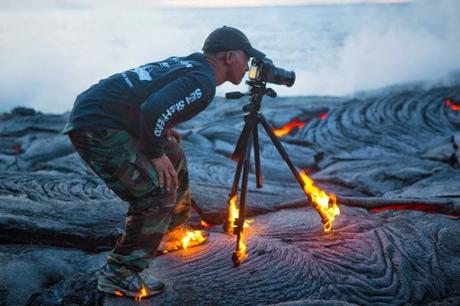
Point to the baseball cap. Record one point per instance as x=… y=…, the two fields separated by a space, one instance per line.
x=229 y=38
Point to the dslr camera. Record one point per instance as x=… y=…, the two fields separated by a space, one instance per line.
x=265 y=71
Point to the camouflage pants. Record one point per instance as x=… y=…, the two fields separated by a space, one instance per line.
x=115 y=156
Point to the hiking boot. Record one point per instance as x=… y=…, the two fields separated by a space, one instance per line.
x=182 y=238
x=129 y=284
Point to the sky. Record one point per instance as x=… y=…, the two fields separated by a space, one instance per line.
x=229 y=3
x=76 y=4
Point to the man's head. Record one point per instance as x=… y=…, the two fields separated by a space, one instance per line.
x=228 y=51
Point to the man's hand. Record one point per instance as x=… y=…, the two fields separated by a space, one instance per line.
x=167 y=175
x=171 y=134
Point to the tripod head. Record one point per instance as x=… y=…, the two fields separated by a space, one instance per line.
x=256 y=92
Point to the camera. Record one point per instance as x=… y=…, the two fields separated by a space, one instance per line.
x=266 y=71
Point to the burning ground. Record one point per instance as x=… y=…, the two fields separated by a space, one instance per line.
x=392 y=160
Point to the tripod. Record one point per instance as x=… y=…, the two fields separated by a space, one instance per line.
x=242 y=154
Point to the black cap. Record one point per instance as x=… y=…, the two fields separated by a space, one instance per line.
x=228 y=38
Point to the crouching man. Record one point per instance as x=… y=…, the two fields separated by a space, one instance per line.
x=121 y=127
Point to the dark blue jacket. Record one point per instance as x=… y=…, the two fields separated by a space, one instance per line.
x=147 y=100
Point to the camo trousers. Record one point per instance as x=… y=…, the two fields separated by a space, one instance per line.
x=115 y=156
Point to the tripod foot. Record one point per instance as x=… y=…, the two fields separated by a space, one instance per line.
x=238 y=258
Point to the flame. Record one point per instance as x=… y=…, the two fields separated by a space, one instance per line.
x=118 y=293
x=233 y=214
x=452 y=105
x=241 y=253
x=191 y=236
x=142 y=293
x=321 y=200
x=287 y=128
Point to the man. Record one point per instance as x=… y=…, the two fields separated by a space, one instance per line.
x=121 y=127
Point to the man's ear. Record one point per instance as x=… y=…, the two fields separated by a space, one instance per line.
x=229 y=57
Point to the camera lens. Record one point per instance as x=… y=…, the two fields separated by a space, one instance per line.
x=283 y=77
x=280 y=76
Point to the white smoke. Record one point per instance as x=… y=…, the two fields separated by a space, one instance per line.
x=386 y=48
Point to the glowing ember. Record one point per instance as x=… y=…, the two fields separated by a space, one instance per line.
x=287 y=128
x=452 y=105
x=192 y=236
x=118 y=293
x=17 y=149
x=204 y=224
x=323 y=116
x=142 y=293
x=325 y=204
x=241 y=253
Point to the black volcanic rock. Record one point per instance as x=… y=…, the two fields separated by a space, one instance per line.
x=391 y=257
x=393 y=160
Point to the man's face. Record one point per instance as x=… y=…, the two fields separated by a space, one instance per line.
x=238 y=66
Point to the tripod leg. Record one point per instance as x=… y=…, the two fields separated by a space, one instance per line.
x=257 y=158
x=250 y=121
x=280 y=149
x=240 y=253
x=326 y=213
x=239 y=155
x=228 y=225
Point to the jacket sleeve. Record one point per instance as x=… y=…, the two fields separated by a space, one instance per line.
x=176 y=102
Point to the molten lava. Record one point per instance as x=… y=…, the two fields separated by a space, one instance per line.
x=17 y=149
x=191 y=236
x=295 y=123
x=287 y=128
x=433 y=209
x=452 y=105
x=325 y=204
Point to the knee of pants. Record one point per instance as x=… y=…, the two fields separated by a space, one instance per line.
x=152 y=204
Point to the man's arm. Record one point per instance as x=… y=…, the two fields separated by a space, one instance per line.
x=176 y=102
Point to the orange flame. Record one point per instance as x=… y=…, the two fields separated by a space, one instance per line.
x=451 y=104
x=241 y=253
x=142 y=293
x=118 y=293
x=325 y=204
x=287 y=128
x=233 y=213
x=191 y=236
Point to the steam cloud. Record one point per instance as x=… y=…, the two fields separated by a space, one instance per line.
x=423 y=44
